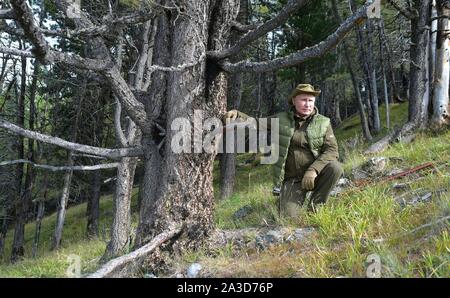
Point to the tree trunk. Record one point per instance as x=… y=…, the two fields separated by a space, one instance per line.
x=62 y=205
x=40 y=216
x=19 y=232
x=121 y=226
x=227 y=161
x=441 y=84
x=362 y=114
x=418 y=65
x=389 y=68
x=180 y=192
x=383 y=70
x=364 y=62
x=373 y=79
x=94 y=205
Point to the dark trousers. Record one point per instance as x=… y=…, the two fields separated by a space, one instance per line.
x=292 y=196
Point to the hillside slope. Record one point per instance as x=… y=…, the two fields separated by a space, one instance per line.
x=402 y=222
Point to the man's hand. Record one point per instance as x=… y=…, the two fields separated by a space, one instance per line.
x=231 y=115
x=308 y=179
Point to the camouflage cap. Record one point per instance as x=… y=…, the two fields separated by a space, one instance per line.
x=303 y=89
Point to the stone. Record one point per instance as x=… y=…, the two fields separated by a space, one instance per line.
x=359 y=174
x=342 y=184
x=194 y=270
x=375 y=165
x=300 y=234
x=270 y=238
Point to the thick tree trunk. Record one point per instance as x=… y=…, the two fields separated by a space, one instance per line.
x=441 y=83
x=181 y=190
x=418 y=66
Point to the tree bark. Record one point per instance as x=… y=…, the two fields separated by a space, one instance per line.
x=40 y=216
x=227 y=161
x=181 y=191
x=373 y=80
x=19 y=233
x=94 y=206
x=441 y=111
x=418 y=65
x=62 y=205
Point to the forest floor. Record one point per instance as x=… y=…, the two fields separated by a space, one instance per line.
x=396 y=228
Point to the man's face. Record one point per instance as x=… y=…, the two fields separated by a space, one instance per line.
x=304 y=104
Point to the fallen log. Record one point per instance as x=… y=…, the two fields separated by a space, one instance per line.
x=115 y=266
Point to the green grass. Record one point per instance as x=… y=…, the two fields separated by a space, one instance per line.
x=352 y=226
x=74 y=242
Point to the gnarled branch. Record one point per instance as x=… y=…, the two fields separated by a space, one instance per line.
x=110 y=153
x=253 y=35
x=304 y=54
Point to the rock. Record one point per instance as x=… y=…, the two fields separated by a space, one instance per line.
x=150 y=275
x=194 y=270
x=270 y=238
x=242 y=212
x=359 y=174
x=300 y=234
x=342 y=184
x=401 y=186
x=375 y=165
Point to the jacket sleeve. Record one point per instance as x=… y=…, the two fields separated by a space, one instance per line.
x=329 y=151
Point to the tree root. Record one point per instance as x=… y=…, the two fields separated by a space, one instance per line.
x=122 y=266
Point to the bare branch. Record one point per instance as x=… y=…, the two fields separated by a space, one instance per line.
x=304 y=54
x=7 y=14
x=115 y=266
x=110 y=153
x=16 y=52
x=118 y=127
x=243 y=27
x=251 y=36
x=61 y=168
x=25 y=18
x=108 y=26
x=403 y=11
